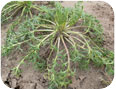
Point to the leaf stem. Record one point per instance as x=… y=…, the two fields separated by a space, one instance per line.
x=9 y=7
x=68 y=56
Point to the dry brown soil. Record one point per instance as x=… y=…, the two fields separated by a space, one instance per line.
x=84 y=79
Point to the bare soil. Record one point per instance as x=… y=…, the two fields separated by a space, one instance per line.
x=92 y=78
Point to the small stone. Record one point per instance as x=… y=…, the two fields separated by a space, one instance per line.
x=13 y=83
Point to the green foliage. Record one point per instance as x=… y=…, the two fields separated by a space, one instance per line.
x=60 y=79
x=76 y=14
x=10 y=40
x=94 y=29
x=59 y=15
x=23 y=8
x=54 y=29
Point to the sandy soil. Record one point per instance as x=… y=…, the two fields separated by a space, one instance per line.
x=84 y=79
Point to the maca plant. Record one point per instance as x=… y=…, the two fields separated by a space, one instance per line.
x=70 y=37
